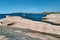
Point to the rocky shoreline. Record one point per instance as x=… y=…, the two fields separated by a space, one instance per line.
x=12 y=26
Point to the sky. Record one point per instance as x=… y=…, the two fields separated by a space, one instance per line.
x=29 y=6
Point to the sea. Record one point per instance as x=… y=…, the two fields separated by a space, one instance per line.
x=31 y=16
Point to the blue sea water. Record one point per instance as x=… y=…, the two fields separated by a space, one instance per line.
x=31 y=16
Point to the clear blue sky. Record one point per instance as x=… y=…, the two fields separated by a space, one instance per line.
x=31 y=6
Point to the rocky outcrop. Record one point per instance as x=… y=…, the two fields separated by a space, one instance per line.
x=16 y=21
x=53 y=18
x=11 y=33
x=18 y=28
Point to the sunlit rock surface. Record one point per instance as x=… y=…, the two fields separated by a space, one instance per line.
x=54 y=18
x=17 y=28
x=10 y=33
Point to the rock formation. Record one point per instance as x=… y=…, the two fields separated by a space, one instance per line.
x=19 y=22
x=54 y=18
